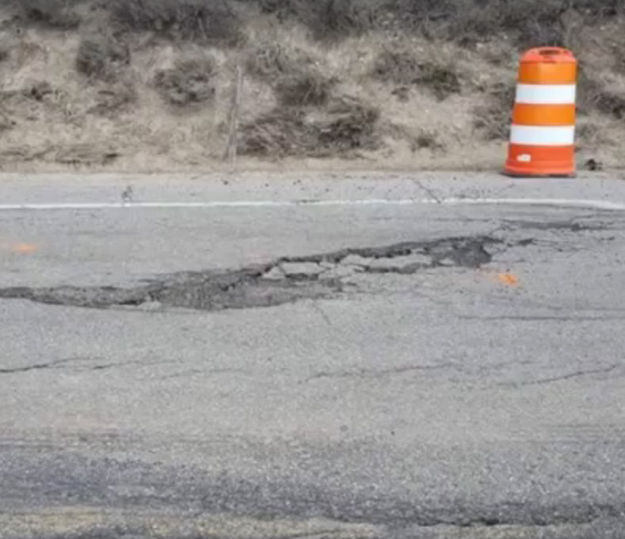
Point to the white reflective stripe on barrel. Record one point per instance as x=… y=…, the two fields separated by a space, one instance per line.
x=542 y=136
x=546 y=94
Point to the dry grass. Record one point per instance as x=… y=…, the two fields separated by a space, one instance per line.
x=597 y=94
x=345 y=127
x=102 y=57
x=442 y=80
x=526 y=22
x=294 y=75
x=5 y=48
x=114 y=99
x=38 y=90
x=426 y=140
x=53 y=13
x=85 y=154
x=350 y=125
x=403 y=67
x=493 y=119
x=397 y=66
x=277 y=134
x=272 y=60
x=304 y=88
x=191 y=80
x=198 y=20
x=611 y=103
x=421 y=52
x=328 y=20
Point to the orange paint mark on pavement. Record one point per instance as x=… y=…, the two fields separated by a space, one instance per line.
x=24 y=248
x=508 y=279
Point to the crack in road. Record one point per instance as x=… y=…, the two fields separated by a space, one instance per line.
x=285 y=280
x=67 y=364
x=39 y=366
x=542 y=318
x=366 y=373
x=568 y=376
x=191 y=372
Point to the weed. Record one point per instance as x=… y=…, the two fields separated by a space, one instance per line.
x=425 y=140
x=101 y=56
x=540 y=22
x=596 y=94
x=441 y=79
x=327 y=20
x=113 y=99
x=611 y=103
x=189 y=81
x=588 y=134
x=350 y=125
x=397 y=66
x=403 y=67
x=304 y=88
x=293 y=73
x=493 y=119
x=347 y=125
x=277 y=134
x=270 y=61
x=53 y=13
x=198 y=20
x=38 y=90
x=5 y=48
x=526 y=22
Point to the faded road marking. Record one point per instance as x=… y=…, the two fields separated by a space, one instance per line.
x=549 y=202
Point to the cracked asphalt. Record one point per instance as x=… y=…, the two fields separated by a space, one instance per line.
x=370 y=370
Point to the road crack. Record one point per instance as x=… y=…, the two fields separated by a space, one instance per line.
x=36 y=367
x=373 y=373
x=564 y=377
x=74 y=365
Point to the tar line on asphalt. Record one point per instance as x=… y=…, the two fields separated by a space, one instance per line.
x=552 y=202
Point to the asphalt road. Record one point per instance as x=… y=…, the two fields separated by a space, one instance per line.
x=362 y=356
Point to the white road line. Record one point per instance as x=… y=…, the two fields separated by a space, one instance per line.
x=554 y=202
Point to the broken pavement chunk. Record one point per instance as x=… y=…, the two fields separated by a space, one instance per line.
x=301 y=270
x=356 y=260
x=401 y=264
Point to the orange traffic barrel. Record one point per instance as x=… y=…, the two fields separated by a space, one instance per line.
x=542 y=136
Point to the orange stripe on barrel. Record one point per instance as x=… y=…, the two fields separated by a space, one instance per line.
x=540 y=160
x=533 y=73
x=550 y=115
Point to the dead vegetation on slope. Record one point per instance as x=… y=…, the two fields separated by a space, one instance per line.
x=293 y=73
x=492 y=119
x=190 y=80
x=327 y=20
x=403 y=67
x=345 y=127
x=205 y=21
x=61 y=14
x=101 y=56
x=113 y=99
x=323 y=78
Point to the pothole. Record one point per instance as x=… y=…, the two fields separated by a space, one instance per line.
x=285 y=280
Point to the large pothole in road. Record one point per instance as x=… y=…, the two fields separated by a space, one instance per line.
x=285 y=280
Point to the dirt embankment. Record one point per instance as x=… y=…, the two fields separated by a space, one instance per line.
x=150 y=84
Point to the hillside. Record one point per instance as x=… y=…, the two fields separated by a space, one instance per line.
x=149 y=85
